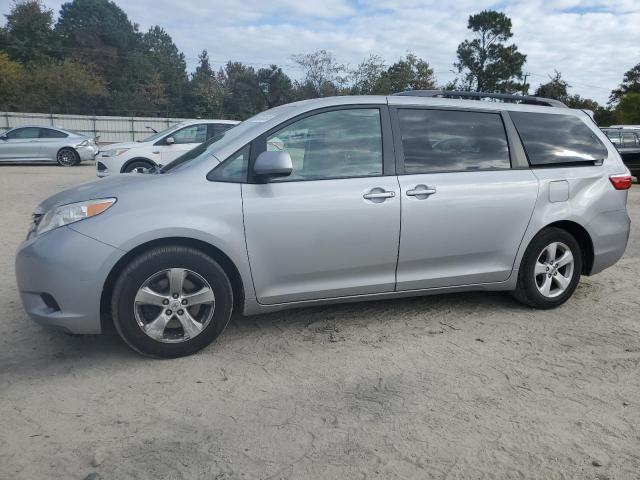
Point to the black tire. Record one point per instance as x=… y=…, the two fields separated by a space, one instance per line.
x=527 y=291
x=67 y=157
x=138 y=164
x=134 y=276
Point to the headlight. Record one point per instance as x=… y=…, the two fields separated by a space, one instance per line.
x=115 y=152
x=72 y=213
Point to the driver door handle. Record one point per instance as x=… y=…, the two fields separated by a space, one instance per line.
x=378 y=195
x=421 y=191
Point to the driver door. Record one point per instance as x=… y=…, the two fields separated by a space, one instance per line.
x=21 y=145
x=184 y=140
x=332 y=227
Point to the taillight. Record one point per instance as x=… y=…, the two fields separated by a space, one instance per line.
x=621 y=182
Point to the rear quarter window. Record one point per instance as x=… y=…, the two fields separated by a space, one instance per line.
x=553 y=139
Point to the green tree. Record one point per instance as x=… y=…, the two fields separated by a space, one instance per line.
x=11 y=83
x=28 y=35
x=98 y=33
x=244 y=96
x=555 y=88
x=628 y=110
x=605 y=116
x=630 y=84
x=62 y=86
x=409 y=73
x=323 y=75
x=169 y=66
x=275 y=86
x=485 y=63
x=205 y=93
x=367 y=74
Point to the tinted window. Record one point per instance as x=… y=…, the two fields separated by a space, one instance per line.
x=191 y=134
x=28 y=132
x=629 y=139
x=217 y=128
x=557 y=139
x=337 y=144
x=234 y=169
x=613 y=136
x=50 y=133
x=446 y=140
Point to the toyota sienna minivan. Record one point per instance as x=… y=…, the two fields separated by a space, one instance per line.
x=333 y=200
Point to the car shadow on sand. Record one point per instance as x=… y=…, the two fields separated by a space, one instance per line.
x=46 y=352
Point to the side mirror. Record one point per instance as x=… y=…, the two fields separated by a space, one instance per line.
x=169 y=141
x=4 y=137
x=273 y=164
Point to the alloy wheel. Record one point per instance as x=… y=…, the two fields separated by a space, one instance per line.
x=66 y=157
x=174 y=305
x=554 y=269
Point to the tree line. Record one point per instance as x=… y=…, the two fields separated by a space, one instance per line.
x=94 y=60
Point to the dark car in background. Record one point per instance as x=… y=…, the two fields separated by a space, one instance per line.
x=627 y=142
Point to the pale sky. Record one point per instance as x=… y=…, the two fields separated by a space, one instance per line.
x=592 y=42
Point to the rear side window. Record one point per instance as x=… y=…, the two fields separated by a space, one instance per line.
x=452 y=141
x=629 y=139
x=50 y=133
x=553 y=139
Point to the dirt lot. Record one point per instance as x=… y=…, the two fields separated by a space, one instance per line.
x=455 y=386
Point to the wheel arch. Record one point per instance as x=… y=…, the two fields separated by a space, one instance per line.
x=212 y=251
x=68 y=147
x=583 y=238
x=137 y=159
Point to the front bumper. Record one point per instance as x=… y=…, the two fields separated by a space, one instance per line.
x=69 y=268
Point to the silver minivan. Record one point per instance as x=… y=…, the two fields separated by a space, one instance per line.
x=333 y=200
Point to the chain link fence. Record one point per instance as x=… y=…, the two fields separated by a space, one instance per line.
x=107 y=129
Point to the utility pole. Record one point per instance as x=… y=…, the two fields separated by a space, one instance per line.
x=525 y=87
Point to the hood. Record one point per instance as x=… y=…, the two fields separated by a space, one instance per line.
x=101 y=188
x=113 y=146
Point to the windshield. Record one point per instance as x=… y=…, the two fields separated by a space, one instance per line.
x=220 y=140
x=156 y=136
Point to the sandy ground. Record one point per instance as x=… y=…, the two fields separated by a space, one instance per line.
x=455 y=386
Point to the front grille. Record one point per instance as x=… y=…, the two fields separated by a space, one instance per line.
x=101 y=167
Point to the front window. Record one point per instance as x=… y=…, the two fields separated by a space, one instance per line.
x=190 y=134
x=161 y=134
x=24 y=133
x=337 y=144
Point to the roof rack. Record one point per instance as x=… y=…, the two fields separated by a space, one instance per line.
x=505 y=97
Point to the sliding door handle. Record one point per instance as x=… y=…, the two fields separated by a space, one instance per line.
x=421 y=191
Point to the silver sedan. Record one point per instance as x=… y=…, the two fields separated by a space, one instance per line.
x=46 y=144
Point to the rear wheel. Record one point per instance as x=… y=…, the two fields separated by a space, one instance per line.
x=67 y=157
x=550 y=270
x=171 y=302
x=138 y=166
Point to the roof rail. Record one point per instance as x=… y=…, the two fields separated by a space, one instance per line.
x=505 y=97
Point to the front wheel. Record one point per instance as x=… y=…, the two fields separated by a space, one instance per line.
x=138 y=166
x=67 y=157
x=550 y=269
x=171 y=302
